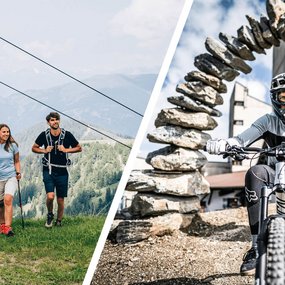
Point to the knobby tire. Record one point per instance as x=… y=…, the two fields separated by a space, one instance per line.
x=276 y=252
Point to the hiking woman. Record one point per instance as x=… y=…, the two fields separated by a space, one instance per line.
x=9 y=176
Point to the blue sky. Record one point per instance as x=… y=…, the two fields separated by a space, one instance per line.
x=209 y=18
x=83 y=38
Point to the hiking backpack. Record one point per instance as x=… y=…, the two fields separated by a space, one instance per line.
x=46 y=161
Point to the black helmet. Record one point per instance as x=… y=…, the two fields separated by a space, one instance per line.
x=278 y=85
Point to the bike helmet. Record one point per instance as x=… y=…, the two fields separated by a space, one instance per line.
x=278 y=86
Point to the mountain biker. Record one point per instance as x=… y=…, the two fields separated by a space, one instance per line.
x=55 y=143
x=271 y=128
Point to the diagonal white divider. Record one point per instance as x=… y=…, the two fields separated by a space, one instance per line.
x=138 y=141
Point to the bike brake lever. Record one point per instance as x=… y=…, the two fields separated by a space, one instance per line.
x=239 y=157
x=234 y=155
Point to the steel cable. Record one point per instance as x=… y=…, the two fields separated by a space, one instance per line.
x=72 y=77
x=66 y=115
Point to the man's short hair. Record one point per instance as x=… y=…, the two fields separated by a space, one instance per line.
x=52 y=115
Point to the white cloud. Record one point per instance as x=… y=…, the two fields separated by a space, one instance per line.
x=236 y=15
x=256 y=88
x=36 y=70
x=147 y=21
x=266 y=60
x=86 y=38
x=47 y=49
x=205 y=17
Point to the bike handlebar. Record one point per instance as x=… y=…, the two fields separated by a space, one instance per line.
x=240 y=153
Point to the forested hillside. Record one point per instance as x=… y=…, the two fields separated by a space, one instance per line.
x=94 y=175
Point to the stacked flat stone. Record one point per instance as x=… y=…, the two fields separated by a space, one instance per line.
x=168 y=195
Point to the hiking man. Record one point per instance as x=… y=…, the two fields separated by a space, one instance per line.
x=271 y=128
x=55 y=143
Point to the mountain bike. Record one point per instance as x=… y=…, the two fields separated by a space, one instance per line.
x=270 y=267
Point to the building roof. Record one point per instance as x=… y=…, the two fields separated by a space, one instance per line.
x=227 y=180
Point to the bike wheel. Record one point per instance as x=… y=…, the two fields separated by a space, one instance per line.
x=276 y=252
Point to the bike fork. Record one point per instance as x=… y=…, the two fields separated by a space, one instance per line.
x=260 y=274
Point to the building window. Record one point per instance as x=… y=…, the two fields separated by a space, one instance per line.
x=238 y=122
x=239 y=103
x=231 y=203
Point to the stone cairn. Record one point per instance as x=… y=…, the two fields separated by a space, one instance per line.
x=167 y=196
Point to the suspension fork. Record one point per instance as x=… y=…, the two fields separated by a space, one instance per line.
x=260 y=274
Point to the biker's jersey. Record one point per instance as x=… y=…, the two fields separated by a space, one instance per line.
x=268 y=127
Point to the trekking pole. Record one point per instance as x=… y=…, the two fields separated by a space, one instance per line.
x=20 y=203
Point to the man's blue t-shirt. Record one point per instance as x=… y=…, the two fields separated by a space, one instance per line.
x=7 y=166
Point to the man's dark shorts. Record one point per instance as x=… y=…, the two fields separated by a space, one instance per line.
x=54 y=181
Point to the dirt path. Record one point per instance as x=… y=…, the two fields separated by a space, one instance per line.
x=210 y=254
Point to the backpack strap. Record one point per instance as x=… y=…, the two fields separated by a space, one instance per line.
x=49 y=142
x=48 y=137
x=61 y=136
x=60 y=142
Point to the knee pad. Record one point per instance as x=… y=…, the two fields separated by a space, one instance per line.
x=259 y=172
x=256 y=170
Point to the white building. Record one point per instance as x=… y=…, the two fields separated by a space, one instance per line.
x=244 y=110
x=278 y=59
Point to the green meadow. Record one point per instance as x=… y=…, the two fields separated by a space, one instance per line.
x=60 y=255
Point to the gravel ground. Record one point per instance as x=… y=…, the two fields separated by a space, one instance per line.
x=210 y=253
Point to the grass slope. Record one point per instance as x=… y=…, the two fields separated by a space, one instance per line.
x=61 y=255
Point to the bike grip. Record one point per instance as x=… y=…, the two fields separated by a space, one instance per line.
x=224 y=154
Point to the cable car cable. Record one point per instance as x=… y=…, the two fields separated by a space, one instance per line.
x=66 y=115
x=72 y=77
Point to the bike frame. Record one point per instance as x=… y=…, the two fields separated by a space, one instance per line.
x=260 y=275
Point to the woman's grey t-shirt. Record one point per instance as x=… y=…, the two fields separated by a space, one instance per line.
x=7 y=166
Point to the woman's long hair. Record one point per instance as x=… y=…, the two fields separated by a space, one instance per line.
x=10 y=139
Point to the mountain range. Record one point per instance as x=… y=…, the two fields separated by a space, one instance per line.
x=73 y=99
